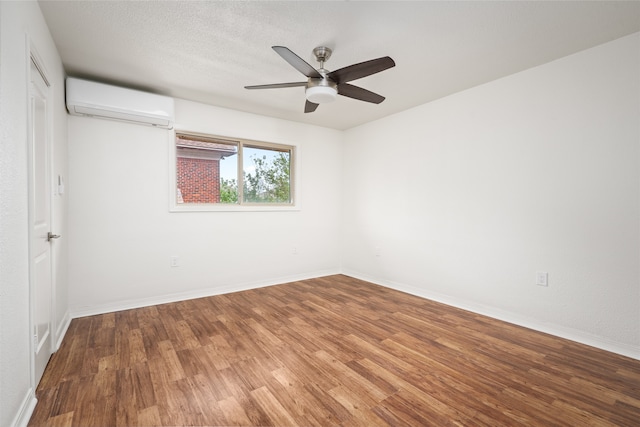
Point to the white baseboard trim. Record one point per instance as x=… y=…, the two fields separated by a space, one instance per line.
x=62 y=330
x=200 y=293
x=26 y=409
x=510 y=317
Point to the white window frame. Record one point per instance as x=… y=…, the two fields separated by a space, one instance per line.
x=174 y=206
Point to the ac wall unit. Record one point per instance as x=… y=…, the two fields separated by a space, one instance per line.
x=86 y=98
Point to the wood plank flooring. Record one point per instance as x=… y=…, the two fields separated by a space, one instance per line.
x=332 y=351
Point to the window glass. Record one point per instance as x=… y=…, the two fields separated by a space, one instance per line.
x=205 y=170
x=267 y=175
x=211 y=170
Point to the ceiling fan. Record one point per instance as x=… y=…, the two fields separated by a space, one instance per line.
x=323 y=85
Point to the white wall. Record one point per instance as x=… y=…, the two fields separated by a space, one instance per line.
x=122 y=234
x=465 y=198
x=19 y=21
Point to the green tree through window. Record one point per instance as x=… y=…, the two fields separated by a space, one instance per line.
x=268 y=181
x=228 y=190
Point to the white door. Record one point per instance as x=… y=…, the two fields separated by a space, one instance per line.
x=40 y=221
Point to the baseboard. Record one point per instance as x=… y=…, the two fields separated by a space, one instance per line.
x=510 y=317
x=26 y=409
x=514 y=318
x=200 y=293
x=62 y=330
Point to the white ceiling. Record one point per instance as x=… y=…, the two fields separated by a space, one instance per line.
x=208 y=51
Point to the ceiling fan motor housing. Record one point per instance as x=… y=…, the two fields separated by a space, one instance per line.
x=321 y=91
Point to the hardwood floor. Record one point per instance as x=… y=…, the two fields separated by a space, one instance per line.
x=331 y=351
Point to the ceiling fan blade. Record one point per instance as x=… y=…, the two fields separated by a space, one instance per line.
x=297 y=62
x=276 y=85
x=310 y=107
x=355 y=92
x=363 y=69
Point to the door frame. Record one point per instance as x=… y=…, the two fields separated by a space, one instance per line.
x=32 y=55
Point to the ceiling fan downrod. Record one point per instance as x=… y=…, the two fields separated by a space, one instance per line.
x=322 y=55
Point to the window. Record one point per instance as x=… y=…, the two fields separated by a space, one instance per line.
x=228 y=172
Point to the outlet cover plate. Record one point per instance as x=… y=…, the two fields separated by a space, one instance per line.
x=542 y=278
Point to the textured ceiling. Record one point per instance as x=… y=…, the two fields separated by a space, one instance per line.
x=208 y=51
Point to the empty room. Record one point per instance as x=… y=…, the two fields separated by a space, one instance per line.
x=322 y=213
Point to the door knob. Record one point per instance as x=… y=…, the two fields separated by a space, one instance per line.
x=51 y=236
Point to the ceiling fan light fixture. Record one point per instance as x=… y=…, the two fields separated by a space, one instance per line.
x=321 y=94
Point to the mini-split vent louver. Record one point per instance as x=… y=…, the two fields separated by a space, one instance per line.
x=87 y=98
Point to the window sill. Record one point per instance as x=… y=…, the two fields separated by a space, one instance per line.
x=206 y=207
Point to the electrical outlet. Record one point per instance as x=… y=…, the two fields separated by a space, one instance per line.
x=174 y=261
x=542 y=278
